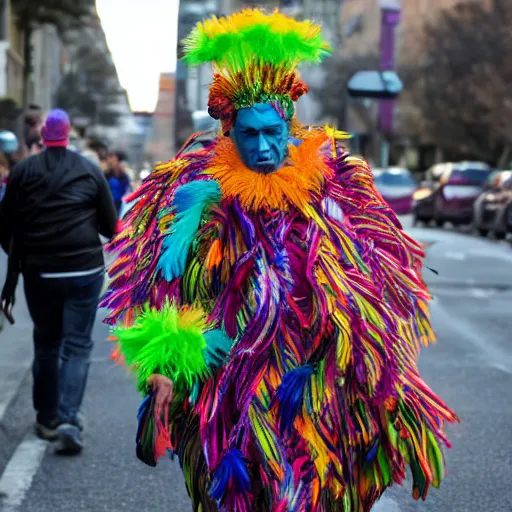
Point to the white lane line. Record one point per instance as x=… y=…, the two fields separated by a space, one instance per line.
x=386 y=504
x=481 y=293
x=459 y=256
x=492 y=253
x=20 y=471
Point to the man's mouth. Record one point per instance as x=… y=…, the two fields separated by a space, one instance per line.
x=265 y=167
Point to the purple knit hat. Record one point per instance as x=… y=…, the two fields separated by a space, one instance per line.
x=55 y=131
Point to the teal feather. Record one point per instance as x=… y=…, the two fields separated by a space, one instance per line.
x=218 y=346
x=189 y=203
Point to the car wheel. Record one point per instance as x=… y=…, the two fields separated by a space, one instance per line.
x=483 y=231
x=508 y=219
x=439 y=223
x=499 y=235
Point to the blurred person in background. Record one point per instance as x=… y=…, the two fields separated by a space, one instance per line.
x=56 y=205
x=4 y=174
x=9 y=147
x=103 y=163
x=32 y=123
x=92 y=155
x=118 y=178
x=100 y=148
x=34 y=144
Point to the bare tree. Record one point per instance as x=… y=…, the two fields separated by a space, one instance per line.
x=91 y=90
x=459 y=88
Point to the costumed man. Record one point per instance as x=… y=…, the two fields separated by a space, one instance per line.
x=263 y=284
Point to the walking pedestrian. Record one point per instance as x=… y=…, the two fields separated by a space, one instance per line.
x=4 y=174
x=118 y=178
x=269 y=302
x=56 y=205
x=9 y=146
x=34 y=144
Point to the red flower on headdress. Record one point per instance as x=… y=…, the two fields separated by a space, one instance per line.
x=298 y=89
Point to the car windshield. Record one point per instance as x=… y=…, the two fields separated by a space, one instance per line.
x=470 y=175
x=394 y=179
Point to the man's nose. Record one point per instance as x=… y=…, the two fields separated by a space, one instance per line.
x=263 y=145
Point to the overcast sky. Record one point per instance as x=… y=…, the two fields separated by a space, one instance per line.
x=141 y=35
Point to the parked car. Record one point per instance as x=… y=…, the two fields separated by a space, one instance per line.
x=424 y=189
x=492 y=211
x=397 y=186
x=435 y=172
x=452 y=198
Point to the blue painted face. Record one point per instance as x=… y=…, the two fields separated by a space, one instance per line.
x=261 y=138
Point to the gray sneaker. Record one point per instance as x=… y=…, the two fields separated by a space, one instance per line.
x=69 y=440
x=47 y=431
x=80 y=421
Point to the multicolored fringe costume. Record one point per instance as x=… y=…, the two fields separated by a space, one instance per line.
x=288 y=308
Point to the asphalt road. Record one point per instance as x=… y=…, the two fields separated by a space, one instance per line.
x=470 y=367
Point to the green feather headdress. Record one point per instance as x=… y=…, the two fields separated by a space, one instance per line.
x=255 y=58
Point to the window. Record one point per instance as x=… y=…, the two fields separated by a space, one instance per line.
x=394 y=179
x=471 y=175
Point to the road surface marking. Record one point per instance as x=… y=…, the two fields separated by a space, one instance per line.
x=492 y=253
x=481 y=293
x=386 y=504
x=459 y=256
x=17 y=478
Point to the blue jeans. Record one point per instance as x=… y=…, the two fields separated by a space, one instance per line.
x=63 y=311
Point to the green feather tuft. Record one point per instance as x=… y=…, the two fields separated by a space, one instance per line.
x=249 y=36
x=260 y=43
x=168 y=341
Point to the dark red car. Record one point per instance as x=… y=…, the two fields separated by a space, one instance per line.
x=452 y=198
x=397 y=186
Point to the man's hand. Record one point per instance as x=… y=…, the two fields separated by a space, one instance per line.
x=6 y=309
x=163 y=392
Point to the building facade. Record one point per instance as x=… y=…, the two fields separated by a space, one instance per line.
x=139 y=140
x=80 y=44
x=48 y=68
x=11 y=72
x=161 y=141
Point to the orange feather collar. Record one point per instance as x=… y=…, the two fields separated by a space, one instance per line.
x=296 y=184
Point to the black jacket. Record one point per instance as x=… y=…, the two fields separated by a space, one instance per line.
x=56 y=204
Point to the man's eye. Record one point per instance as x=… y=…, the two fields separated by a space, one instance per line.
x=250 y=132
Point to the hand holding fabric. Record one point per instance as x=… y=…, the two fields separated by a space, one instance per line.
x=163 y=391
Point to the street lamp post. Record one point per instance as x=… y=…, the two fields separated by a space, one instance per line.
x=390 y=17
